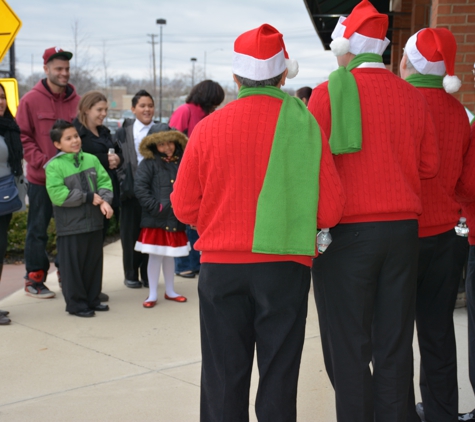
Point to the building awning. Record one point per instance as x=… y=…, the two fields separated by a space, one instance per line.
x=325 y=14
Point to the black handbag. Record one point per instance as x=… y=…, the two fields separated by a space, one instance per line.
x=127 y=185
x=9 y=198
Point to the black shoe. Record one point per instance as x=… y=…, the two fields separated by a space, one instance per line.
x=186 y=274
x=4 y=313
x=87 y=313
x=103 y=297
x=132 y=284
x=101 y=308
x=420 y=411
x=145 y=283
x=470 y=416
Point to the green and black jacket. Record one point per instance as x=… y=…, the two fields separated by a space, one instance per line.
x=71 y=181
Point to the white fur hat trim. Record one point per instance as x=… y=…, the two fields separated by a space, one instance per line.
x=258 y=70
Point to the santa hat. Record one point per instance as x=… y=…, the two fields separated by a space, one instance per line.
x=363 y=31
x=432 y=52
x=260 y=54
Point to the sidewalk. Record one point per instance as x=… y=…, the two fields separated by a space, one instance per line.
x=135 y=364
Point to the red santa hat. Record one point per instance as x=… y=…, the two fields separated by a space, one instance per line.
x=363 y=31
x=432 y=52
x=260 y=54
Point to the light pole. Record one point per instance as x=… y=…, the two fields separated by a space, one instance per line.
x=193 y=61
x=161 y=22
x=218 y=49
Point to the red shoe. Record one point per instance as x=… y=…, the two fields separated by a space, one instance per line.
x=176 y=299
x=149 y=304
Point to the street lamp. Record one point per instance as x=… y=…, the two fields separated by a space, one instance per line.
x=161 y=22
x=218 y=49
x=193 y=61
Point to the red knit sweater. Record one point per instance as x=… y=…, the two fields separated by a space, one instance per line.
x=441 y=211
x=399 y=147
x=221 y=176
x=468 y=209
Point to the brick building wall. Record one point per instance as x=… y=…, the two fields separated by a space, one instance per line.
x=456 y=15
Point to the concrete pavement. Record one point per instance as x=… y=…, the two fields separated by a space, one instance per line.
x=136 y=364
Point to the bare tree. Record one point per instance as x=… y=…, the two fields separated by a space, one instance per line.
x=82 y=74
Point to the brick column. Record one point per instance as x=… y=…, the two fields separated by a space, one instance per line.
x=459 y=17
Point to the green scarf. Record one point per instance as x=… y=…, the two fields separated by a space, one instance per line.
x=286 y=215
x=346 y=133
x=425 y=81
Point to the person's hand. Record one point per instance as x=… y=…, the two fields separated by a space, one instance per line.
x=97 y=200
x=114 y=161
x=193 y=227
x=106 y=209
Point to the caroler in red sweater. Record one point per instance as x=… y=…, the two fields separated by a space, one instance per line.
x=468 y=210
x=428 y=55
x=383 y=138
x=256 y=180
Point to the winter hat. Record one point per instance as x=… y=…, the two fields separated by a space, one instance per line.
x=432 y=52
x=363 y=31
x=260 y=54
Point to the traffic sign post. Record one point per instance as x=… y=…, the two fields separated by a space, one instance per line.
x=11 y=92
x=10 y=24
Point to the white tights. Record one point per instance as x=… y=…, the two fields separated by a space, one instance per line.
x=155 y=262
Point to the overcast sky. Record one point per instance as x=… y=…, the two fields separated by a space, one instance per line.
x=193 y=28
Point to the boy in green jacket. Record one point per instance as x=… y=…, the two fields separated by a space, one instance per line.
x=81 y=192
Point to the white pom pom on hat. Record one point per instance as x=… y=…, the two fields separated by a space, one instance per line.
x=432 y=52
x=363 y=31
x=260 y=54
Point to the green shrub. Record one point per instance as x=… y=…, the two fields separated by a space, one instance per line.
x=17 y=233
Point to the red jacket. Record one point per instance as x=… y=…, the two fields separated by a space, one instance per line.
x=36 y=114
x=221 y=176
x=399 y=147
x=441 y=211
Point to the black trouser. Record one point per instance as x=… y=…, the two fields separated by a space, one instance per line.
x=81 y=259
x=130 y=216
x=40 y=212
x=365 y=286
x=441 y=259
x=247 y=306
x=4 y=223
x=470 y=290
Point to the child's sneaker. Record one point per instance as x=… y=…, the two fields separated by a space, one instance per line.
x=35 y=286
x=470 y=416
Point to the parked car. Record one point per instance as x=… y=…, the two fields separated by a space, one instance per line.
x=112 y=124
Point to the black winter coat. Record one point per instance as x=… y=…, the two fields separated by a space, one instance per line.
x=154 y=181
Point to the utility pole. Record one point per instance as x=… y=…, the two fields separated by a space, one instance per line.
x=153 y=42
x=161 y=22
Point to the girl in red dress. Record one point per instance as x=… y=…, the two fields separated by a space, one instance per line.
x=162 y=236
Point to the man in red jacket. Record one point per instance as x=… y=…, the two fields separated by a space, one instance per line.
x=428 y=56
x=256 y=179
x=381 y=132
x=50 y=99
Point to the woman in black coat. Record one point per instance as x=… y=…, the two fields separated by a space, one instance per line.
x=97 y=140
x=11 y=155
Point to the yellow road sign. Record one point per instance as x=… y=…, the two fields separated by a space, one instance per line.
x=10 y=24
x=10 y=86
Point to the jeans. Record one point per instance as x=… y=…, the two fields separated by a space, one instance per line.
x=39 y=216
x=192 y=261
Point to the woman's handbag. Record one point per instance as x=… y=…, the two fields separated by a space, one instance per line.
x=9 y=199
